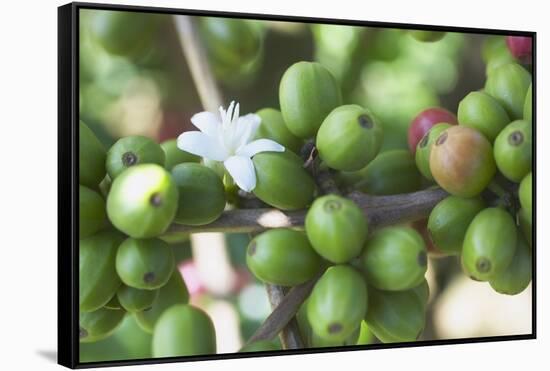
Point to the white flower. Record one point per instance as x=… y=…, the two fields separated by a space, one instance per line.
x=229 y=141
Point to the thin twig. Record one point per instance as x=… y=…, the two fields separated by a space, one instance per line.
x=290 y=333
x=198 y=63
x=380 y=211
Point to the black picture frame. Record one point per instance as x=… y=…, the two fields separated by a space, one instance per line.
x=68 y=172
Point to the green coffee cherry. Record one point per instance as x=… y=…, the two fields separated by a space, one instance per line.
x=282 y=257
x=365 y=334
x=307 y=94
x=337 y=228
x=145 y=264
x=528 y=105
x=312 y=340
x=131 y=151
x=99 y=324
x=499 y=59
x=514 y=149
x=123 y=32
x=395 y=259
x=508 y=84
x=518 y=274
x=391 y=172
x=396 y=316
x=143 y=201
x=113 y=303
x=449 y=221
x=424 y=149
x=317 y=341
x=427 y=36
x=91 y=209
x=91 y=163
x=525 y=195
x=201 y=194
x=493 y=45
x=230 y=42
x=337 y=303
x=259 y=346
x=183 y=330
x=349 y=138
x=172 y=293
x=273 y=127
x=480 y=111
x=174 y=156
x=423 y=291
x=489 y=244
x=105 y=186
x=526 y=226
x=135 y=300
x=98 y=278
x=281 y=180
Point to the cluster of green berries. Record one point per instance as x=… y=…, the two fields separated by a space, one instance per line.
x=132 y=193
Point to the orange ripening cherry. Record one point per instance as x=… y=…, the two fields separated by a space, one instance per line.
x=462 y=161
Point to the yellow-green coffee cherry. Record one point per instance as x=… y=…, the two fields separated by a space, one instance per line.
x=174 y=155
x=97 y=274
x=396 y=316
x=282 y=257
x=183 y=330
x=135 y=300
x=259 y=346
x=131 y=151
x=480 y=111
x=513 y=150
x=337 y=228
x=427 y=36
x=91 y=162
x=449 y=221
x=395 y=259
x=145 y=264
x=391 y=172
x=525 y=195
x=172 y=293
x=143 y=201
x=489 y=244
x=273 y=127
x=307 y=93
x=201 y=194
x=528 y=105
x=337 y=303
x=517 y=276
x=349 y=138
x=281 y=180
x=92 y=216
x=424 y=149
x=508 y=84
x=99 y=324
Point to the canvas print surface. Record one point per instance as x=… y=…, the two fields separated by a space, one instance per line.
x=252 y=185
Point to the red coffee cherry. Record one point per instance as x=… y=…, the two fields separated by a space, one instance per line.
x=424 y=121
x=521 y=47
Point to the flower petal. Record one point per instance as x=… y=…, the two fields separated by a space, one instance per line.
x=202 y=145
x=260 y=145
x=207 y=122
x=242 y=170
x=247 y=127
